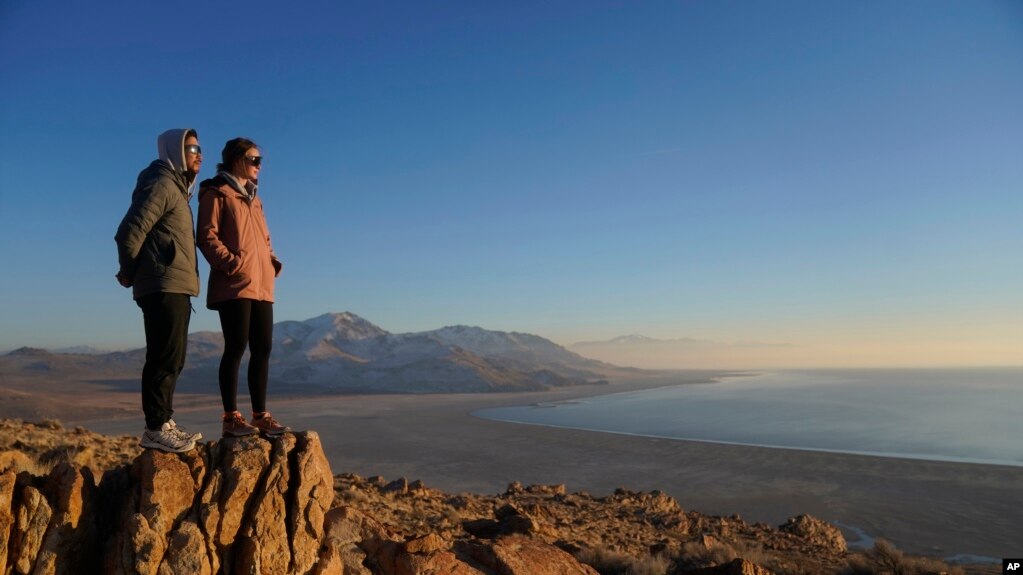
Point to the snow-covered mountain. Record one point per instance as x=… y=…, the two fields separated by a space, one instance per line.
x=345 y=352
x=512 y=346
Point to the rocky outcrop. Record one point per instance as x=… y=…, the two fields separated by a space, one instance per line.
x=505 y=556
x=813 y=531
x=235 y=506
x=241 y=505
x=254 y=506
x=48 y=524
x=244 y=505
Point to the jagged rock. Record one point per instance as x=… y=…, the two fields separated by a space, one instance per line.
x=558 y=489
x=314 y=496
x=7 y=482
x=419 y=556
x=264 y=542
x=523 y=556
x=426 y=544
x=344 y=529
x=167 y=487
x=143 y=548
x=734 y=567
x=240 y=505
x=244 y=460
x=209 y=515
x=399 y=486
x=30 y=522
x=482 y=528
x=816 y=532
x=186 y=552
x=510 y=521
x=506 y=511
x=160 y=493
x=69 y=541
x=437 y=563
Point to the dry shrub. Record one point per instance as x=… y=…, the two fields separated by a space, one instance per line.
x=61 y=454
x=452 y=517
x=697 y=555
x=18 y=462
x=608 y=562
x=885 y=559
x=52 y=423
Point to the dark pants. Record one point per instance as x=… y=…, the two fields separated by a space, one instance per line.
x=166 y=318
x=246 y=323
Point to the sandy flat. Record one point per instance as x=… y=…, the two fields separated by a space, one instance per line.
x=935 y=508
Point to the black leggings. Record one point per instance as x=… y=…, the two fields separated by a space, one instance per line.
x=245 y=322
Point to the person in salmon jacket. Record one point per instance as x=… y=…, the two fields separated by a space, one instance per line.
x=233 y=236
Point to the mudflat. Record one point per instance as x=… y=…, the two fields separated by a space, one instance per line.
x=927 y=507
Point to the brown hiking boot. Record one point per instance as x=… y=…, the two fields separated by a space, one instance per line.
x=268 y=426
x=236 y=426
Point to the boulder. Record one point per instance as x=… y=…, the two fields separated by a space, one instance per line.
x=345 y=528
x=523 y=556
x=30 y=523
x=815 y=532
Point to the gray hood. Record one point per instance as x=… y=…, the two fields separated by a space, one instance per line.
x=170 y=146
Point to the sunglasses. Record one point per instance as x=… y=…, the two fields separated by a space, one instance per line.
x=254 y=160
x=193 y=149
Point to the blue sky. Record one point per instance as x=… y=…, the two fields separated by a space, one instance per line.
x=843 y=177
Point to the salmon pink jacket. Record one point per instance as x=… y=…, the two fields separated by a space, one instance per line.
x=233 y=236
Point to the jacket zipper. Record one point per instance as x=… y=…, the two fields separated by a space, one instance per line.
x=259 y=243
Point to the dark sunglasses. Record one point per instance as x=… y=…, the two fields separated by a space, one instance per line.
x=254 y=160
x=193 y=149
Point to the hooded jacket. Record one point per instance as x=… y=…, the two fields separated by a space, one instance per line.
x=155 y=240
x=233 y=236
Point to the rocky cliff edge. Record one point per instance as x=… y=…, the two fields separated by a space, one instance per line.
x=253 y=506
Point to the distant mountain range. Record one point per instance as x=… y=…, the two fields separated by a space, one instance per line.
x=343 y=352
x=685 y=353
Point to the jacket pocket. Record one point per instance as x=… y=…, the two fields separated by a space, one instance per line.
x=240 y=269
x=175 y=255
x=152 y=260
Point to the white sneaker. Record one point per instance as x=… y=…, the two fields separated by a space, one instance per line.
x=182 y=434
x=167 y=438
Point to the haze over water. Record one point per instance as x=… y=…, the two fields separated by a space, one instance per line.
x=967 y=415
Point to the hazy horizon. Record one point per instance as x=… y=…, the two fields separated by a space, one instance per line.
x=837 y=184
x=687 y=353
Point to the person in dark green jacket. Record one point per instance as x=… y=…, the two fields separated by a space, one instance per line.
x=156 y=251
